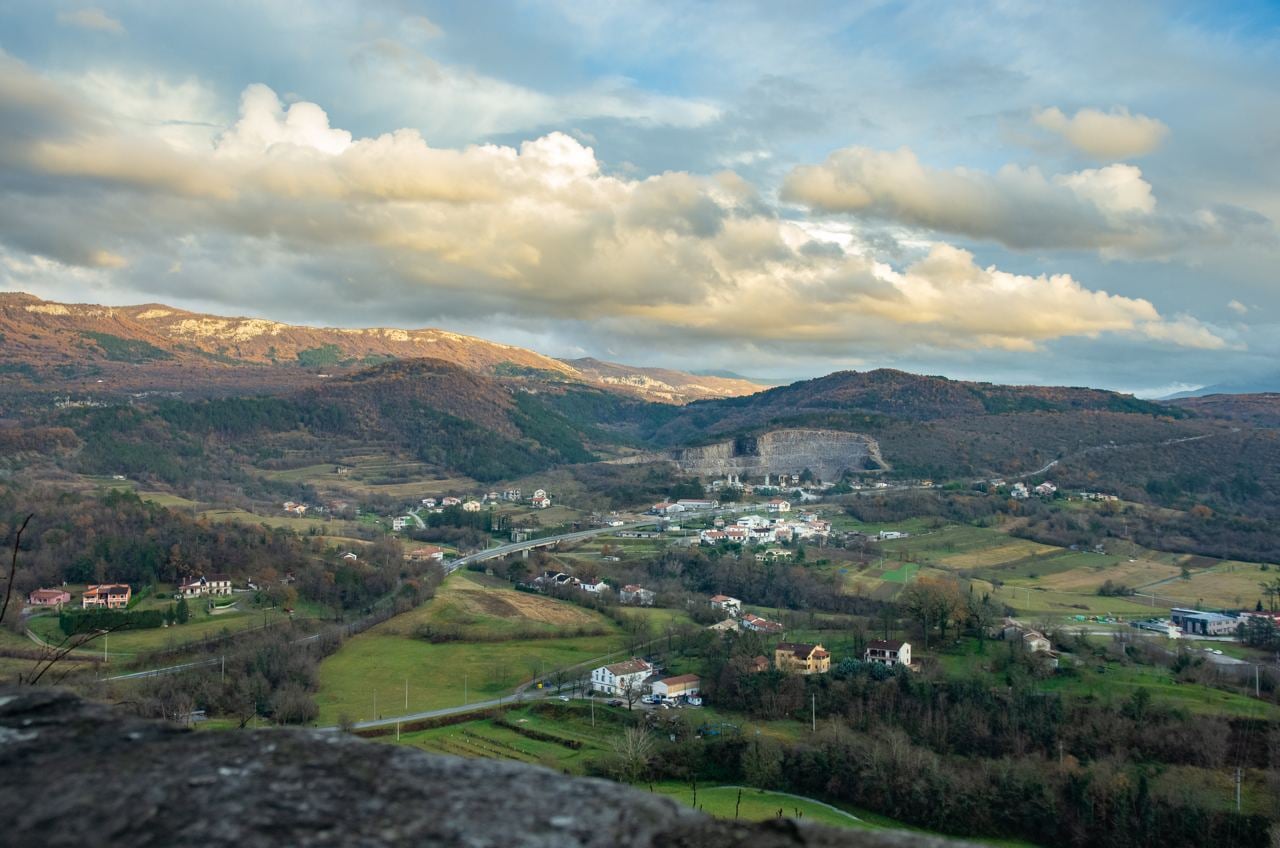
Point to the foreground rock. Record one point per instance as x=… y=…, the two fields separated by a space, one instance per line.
x=79 y=774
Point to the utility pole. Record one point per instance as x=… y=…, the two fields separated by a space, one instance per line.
x=397 y=731
x=464 y=690
x=224 y=669
x=1257 y=684
x=375 y=704
x=406 y=696
x=1237 y=789
x=813 y=711
x=593 y=709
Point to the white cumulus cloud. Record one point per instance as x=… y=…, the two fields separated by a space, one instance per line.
x=1104 y=135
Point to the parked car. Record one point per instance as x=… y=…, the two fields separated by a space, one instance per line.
x=617 y=702
x=564 y=698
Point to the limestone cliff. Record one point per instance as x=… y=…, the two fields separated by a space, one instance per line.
x=827 y=453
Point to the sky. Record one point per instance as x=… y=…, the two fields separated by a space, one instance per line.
x=1080 y=193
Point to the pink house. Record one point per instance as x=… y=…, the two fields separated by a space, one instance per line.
x=49 y=598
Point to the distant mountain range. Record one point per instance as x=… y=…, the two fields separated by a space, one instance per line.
x=158 y=347
x=1259 y=385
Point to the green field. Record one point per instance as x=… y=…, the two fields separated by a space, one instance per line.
x=761 y=805
x=502 y=654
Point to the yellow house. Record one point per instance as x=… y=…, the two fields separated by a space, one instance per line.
x=800 y=658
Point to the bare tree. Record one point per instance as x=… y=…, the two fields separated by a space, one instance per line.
x=633 y=748
x=630 y=691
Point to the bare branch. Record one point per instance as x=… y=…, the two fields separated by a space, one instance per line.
x=13 y=566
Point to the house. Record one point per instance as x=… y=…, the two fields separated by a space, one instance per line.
x=595 y=586
x=757 y=664
x=755 y=623
x=801 y=658
x=49 y=598
x=108 y=595
x=450 y=501
x=217 y=584
x=471 y=506
x=695 y=503
x=1200 y=623
x=890 y=652
x=711 y=537
x=683 y=685
x=621 y=678
x=736 y=534
x=774 y=554
x=540 y=502
x=779 y=505
x=1019 y=491
x=429 y=502
x=733 y=606
x=886 y=535
x=295 y=508
x=1046 y=489
x=633 y=594
x=666 y=508
x=350 y=556
x=430 y=552
x=539 y=493
x=401 y=522
x=729 y=625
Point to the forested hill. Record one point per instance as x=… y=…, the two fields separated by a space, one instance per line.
x=439 y=412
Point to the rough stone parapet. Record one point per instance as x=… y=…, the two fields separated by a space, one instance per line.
x=76 y=773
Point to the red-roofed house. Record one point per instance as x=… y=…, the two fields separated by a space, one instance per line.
x=108 y=595
x=621 y=678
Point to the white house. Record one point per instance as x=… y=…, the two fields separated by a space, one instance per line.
x=696 y=503
x=666 y=508
x=1019 y=491
x=216 y=584
x=633 y=594
x=471 y=506
x=429 y=502
x=541 y=502
x=621 y=678
x=401 y=522
x=887 y=653
x=539 y=493
x=595 y=586
x=886 y=535
x=450 y=501
x=779 y=505
x=733 y=606
x=1046 y=489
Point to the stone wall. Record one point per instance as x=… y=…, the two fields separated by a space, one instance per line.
x=74 y=773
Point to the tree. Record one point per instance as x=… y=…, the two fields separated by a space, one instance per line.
x=633 y=748
x=630 y=691
x=183 y=613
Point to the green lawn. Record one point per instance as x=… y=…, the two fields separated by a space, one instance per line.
x=902 y=574
x=761 y=805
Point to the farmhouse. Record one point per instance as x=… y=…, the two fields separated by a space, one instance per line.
x=450 y=501
x=49 y=598
x=471 y=506
x=887 y=652
x=729 y=625
x=540 y=502
x=401 y=522
x=666 y=508
x=633 y=594
x=774 y=554
x=801 y=658
x=217 y=584
x=733 y=606
x=621 y=678
x=430 y=552
x=684 y=685
x=108 y=595
x=779 y=505
x=756 y=624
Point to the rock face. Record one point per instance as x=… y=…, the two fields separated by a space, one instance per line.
x=827 y=453
x=73 y=773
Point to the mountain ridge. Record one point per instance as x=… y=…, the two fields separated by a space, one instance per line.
x=81 y=341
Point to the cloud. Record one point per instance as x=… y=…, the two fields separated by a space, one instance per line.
x=1237 y=307
x=1104 y=135
x=94 y=19
x=285 y=205
x=1108 y=207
